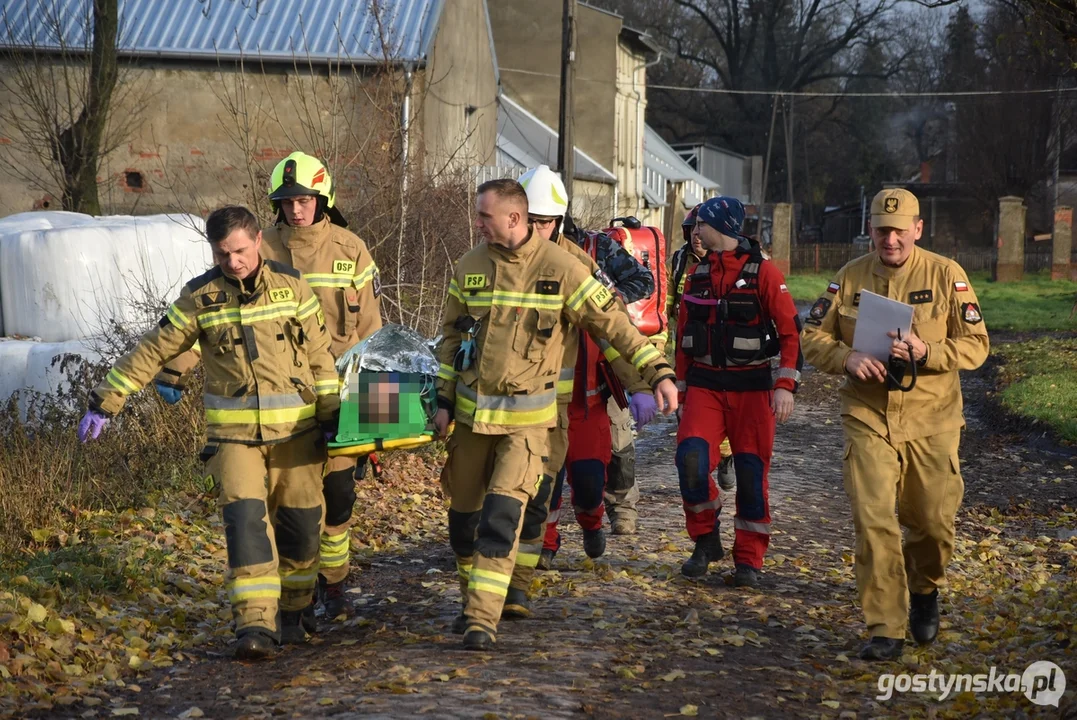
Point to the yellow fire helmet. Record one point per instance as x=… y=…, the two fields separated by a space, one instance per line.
x=300 y=175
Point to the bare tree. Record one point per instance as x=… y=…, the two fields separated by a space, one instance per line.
x=61 y=84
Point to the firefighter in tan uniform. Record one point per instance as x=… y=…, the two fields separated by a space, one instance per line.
x=514 y=295
x=901 y=447
x=547 y=206
x=270 y=382
x=310 y=236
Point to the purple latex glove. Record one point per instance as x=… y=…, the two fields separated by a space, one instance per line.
x=91 y=425
x=643 y=408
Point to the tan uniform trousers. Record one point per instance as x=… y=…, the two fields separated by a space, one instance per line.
x=338 y=487
x=923 y=478
x=489 y=479
x=538 y=508
x=271 y=503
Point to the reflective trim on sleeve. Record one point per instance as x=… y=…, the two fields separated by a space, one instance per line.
x=648 y=353
x=121 y=382
x=362 y=279
x=176 y=317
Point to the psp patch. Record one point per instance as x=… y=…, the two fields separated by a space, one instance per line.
x=602 y=298
x=819 y=309
x=281 y=295
x=971 y=313
x=211 y=299
x=474 y=281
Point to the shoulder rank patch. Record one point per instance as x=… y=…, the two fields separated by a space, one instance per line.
x=856 y=299
x=603 y=278
x=961 y=286
x=601 y=298
x=783 y=288
x=819 y=309
x=343 y=267
x=547 y=287
x=474 y=281
x=833 y=288
x=920 y=297
x=211 y=299
x=281 y=295
x=971 y=313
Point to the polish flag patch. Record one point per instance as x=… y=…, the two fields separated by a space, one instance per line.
x=783 y=288
x=961 y=286
x=833 y=288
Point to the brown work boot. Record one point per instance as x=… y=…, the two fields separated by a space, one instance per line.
x=727 y=474
x=623 y=526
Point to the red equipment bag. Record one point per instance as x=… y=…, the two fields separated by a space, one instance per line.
x=648 y=246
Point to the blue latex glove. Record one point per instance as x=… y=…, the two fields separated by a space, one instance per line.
x=170 y=395
x=643 y=408
x=91 y=425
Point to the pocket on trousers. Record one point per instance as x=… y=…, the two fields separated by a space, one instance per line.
x=446 y=478
x=536 y=466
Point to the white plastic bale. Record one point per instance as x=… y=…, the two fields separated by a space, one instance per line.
x=47 y=369
x=13 y=358
x=68 y=283
x=38 y=220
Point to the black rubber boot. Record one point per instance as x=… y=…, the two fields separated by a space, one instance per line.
x=478 y=639
x=745 y=576
x=334 y=600
x=296 y=624
x=924 y=617
x=546 y=559
x=594 y=543
x=708 y=549
x=459 y=624
x=254 y=644
x=517 y=605
x=882 y=648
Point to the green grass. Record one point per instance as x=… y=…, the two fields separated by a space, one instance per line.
x=1035 y=303
x=1041 y=378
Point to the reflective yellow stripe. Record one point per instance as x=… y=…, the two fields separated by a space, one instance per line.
x=528 y=560
x=586 y=288
x=334 y=550
x=254 y=588
x=610 y=353
x=275 y=416
x=308 y=308
x=176 y=317
x=463 y=570
x=121 y=382
x=324 y=280
x=250 y=316
x=564 y=386
x=299 y=579
x=489 y=581
x=454 y=290
x=494 y=416
x=446 y=372
x=326 y=387
x=505 y=298
x=645 y=355
x=196 y=347
x=365 y=277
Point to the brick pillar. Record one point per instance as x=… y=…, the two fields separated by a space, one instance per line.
x=1011 y=240
x=1062 y=243
x=781 y=236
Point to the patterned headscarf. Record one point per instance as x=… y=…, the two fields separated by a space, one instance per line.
x=724 y=214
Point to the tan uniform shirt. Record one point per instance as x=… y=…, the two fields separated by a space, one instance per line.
x=947 y=318
x=269 y=374
x=525 y=301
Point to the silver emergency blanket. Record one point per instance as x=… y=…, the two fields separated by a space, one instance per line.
x=394 y=348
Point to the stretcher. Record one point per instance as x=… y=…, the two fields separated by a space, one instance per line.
x=384 y=411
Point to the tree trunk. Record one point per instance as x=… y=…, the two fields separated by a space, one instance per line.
x=79 y=147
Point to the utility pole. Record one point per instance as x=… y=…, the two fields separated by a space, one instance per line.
x=565 y=143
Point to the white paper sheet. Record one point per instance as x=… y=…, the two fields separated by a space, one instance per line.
x=879 y=315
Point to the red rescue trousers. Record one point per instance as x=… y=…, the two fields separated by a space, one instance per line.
x=589 y=451
x=747 y=418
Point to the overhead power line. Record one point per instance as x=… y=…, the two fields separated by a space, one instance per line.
x=786 y=93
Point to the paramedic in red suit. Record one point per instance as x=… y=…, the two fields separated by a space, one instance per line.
x=736 y=314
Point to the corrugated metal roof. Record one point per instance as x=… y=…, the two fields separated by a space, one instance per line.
x=662 y=163
x=346 y=31
x=528 y=142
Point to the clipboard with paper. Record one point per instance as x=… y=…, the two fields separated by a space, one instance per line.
x=878 y=316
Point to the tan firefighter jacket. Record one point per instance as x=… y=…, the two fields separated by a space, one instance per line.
x=269 y=373
x=337 y=266
x=517 y=308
